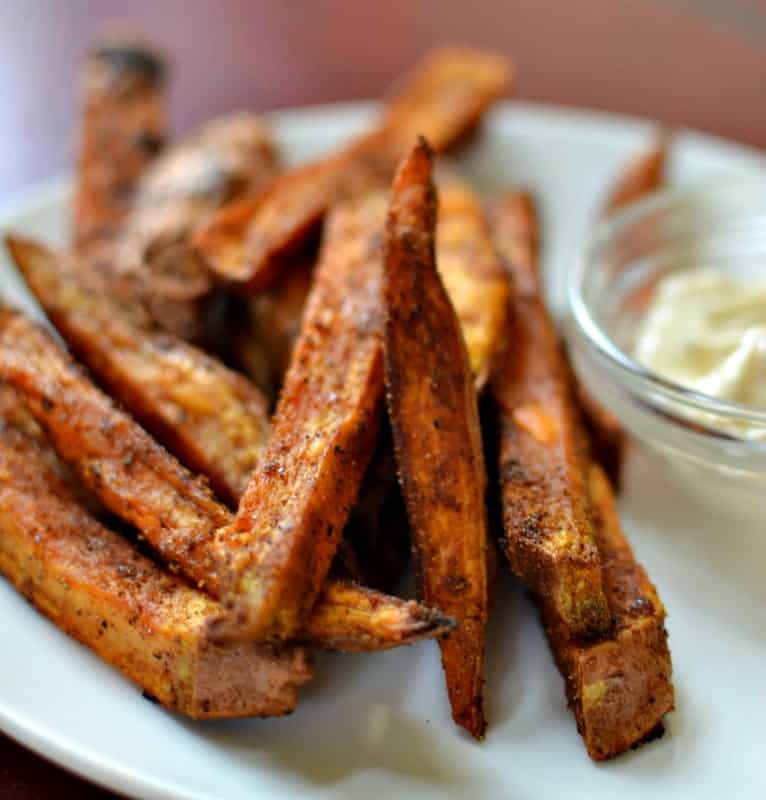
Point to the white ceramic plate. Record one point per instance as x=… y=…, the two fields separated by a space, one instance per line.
x=379 y=725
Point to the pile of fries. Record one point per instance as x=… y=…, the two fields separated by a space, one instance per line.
x=155 y=507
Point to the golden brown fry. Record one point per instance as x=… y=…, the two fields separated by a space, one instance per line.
x=619 y=686
x=213 y=419
x=123 y=127
x=643 y=175
x=433 y=410
x=543 y=457
x=472 y=273
x=443 y=98
x=356 y=620
x=139 y=481
x=97 y=588
x=275 y=556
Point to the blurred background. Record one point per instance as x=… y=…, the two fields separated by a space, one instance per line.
x=698 y=63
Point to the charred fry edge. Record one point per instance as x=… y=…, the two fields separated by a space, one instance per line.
x=443 y=483
x=619 y=687
x=94 y=586
x=353 y=619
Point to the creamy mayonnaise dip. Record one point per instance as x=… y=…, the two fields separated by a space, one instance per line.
x=707 y=332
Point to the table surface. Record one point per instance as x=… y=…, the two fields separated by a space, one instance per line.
x=697 y=64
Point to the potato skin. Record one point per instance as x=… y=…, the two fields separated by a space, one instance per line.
x=275 y=556
x=95 y=586
x=619 y=686
x=443 y=98
x=543 y=449
x=434 y=417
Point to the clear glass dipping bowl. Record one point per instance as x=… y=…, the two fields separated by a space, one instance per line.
x=720 y=224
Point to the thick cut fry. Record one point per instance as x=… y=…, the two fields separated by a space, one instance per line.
x=543 y=457
x=643 y=175
x=213 y=419
x=94 y=586
x=275 y=556
x=139 y=481
x=123 y=127
x=352 y=619
x=619 y=686
x=472 y=273
x=229 y=158
x=433 y=410
x=442 y=99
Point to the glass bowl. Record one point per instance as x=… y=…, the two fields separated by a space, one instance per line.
x=720 y=224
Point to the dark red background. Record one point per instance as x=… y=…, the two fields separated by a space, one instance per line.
x=700 y=63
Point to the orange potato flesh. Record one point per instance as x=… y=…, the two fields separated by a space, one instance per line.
x=542 y=447
x=433 y=410
x=618 y=686
x=443 y=98
x=275 y=556
x=96 y=587
x=139 y=481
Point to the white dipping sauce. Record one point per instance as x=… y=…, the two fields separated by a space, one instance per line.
x=707 y=332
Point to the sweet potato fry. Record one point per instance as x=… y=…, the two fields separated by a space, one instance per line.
x=352 y=619
x=213 y=419
x=275 y=556
x=123 y=127
x=434 y=417
x=618 y=686
x=139 y=481
x=472 y=273
x=97 y=588
x=229 y=158
x=442 y=99
x=643 y=175
x=543 y=456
